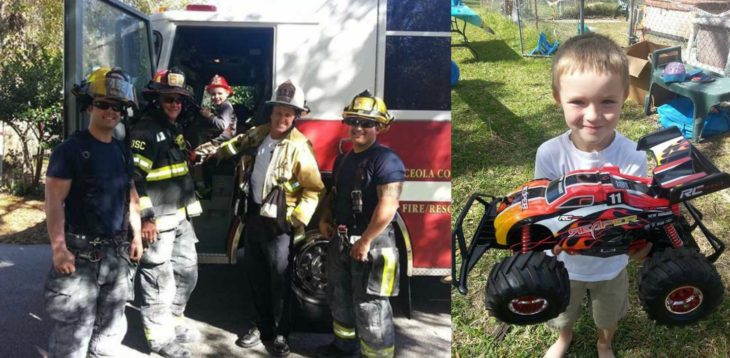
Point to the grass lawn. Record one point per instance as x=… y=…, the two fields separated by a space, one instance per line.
x=502 y=110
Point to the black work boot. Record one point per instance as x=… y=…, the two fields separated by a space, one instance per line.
x=333 y=351
x=250 y=339
x=280 y=348
x=171 y=350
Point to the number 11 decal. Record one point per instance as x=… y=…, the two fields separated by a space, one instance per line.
x=615 y=198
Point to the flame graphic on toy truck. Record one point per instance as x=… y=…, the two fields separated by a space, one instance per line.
x=600 y=212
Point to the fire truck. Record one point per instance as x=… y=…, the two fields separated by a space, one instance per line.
x=333 y=49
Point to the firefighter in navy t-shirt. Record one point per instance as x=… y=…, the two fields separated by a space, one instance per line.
x=362 y=258
x=90 y=203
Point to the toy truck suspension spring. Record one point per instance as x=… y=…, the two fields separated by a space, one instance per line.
x=671 y=231
x=525 y=238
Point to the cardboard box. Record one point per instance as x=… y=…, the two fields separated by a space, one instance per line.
x=640 y=69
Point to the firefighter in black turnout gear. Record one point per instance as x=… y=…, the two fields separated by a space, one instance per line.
x=168 y=269
x=362 y=258
x=90 y=204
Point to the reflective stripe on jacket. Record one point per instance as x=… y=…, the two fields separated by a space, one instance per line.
x=161 y=173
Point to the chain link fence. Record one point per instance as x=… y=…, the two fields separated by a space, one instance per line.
x=700 y=27
x=561 y=19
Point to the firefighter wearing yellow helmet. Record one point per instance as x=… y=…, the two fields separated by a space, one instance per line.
x=110 y=83
x=168 y=269
x=368 y=107
x=362 y=258
x=88 y=210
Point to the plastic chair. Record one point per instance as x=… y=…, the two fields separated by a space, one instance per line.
x=544 y=47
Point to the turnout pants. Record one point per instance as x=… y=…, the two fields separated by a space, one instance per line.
x=358 y=295
x=168 y=274
x=87 y=307
x=267 y=268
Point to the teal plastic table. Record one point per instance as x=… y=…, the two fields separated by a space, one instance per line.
x=459 y=11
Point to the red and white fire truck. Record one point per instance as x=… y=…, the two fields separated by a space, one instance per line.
x=333 y=49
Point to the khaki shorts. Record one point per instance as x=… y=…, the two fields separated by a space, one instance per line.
x=608 y=299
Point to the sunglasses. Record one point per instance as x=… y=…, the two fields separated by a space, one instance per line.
x=356 y=122
x=170 y=100
x=117 y=107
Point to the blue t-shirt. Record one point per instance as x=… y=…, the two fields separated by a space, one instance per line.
x=110 y=165
x=383 y=166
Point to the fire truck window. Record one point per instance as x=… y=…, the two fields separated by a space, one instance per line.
x=417 y=73
x=418 y=15
x=157 y=46
x=114 y=38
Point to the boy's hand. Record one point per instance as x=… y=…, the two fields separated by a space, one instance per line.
x=557 y=249
x=206 y=113
x=639 y=252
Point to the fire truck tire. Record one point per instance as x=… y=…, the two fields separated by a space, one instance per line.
x=310 y=310
x=527 y=288
x=679 y=287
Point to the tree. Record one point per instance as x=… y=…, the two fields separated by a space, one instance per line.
x=150 y=6
x=31 y=73
x=31 y=76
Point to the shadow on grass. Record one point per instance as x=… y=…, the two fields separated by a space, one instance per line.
x=492 y=51
x=11 y=203
x=715 y=147
x=35 y=234
x=509 y=140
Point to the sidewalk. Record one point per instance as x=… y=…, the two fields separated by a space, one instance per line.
x=214 y=308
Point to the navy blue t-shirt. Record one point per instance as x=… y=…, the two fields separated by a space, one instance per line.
x=383 y=166
x=111 y=169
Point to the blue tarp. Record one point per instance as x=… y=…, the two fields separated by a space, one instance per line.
x=679 y=111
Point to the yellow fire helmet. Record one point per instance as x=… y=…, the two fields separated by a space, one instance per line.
x=365 y=105
x=112 y=83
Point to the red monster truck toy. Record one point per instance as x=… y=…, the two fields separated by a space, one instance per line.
x=600 y=212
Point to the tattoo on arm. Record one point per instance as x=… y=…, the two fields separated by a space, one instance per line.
x=391 y=190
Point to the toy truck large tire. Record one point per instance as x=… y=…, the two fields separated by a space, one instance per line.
x=527 y=288
x=679 y=287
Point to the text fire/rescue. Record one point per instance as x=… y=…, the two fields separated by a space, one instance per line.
x=425 y=208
